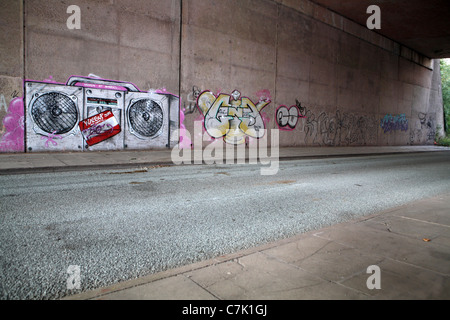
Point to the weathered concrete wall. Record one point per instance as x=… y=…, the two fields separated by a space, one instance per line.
x=343 y=84
x=135 y=41
x=11 y=75
x=227 y=46
x=293 y=65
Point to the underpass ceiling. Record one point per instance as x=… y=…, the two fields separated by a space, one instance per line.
x=423 y=26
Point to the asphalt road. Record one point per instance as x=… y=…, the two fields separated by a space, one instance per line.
x=121 y=224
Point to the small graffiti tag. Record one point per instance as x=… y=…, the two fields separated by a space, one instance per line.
x=394 y=123
x=287 y=118
x=50 y=138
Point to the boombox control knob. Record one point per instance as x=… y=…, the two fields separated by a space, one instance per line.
x=146 y=116
x=56 y=111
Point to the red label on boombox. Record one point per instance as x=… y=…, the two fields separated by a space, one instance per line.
x=99 y=127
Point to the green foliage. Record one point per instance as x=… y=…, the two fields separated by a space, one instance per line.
x=445 y=141
x=445 y=75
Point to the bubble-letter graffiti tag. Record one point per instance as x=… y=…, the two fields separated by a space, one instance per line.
x=287 y=118
x=231 y=116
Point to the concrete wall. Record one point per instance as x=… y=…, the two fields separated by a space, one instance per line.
x=11 y=74
x=318 y=77
x=136 y=41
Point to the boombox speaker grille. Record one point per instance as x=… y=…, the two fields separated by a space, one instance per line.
x=146 y=117
x=55 y=113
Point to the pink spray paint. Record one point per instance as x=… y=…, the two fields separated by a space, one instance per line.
x=13 y=139
x=185 y=142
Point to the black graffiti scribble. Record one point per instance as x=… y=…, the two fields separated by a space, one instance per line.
x=339 y=129
x=191 y=99
x=302 y=110
x=15 y=94
x=425 y=129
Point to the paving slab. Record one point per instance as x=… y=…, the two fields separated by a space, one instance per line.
x=394 y=246
x=402 y=281
x=173 y=288
x=326 y=259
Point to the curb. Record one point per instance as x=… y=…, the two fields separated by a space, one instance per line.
x=118 y=166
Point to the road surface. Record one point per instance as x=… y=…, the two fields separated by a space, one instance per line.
x=115 y=225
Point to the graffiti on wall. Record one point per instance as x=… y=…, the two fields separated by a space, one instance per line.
x=340 y=129
x=232 y=117
x=50 y=139
x=229 y=116
x=13 y=127
x=264 y=95
x=184 y=138
x=99 y=128
x=98 y=114
x=328 y=129
x=288 y=118
x=394 y=123
x=424 y=130
x=190 y=104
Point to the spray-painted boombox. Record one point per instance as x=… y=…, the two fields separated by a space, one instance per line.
x=97 y=114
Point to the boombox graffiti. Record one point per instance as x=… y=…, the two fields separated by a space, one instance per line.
x=98 y=114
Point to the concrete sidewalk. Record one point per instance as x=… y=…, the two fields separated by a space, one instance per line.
x=410 y=244
x=53 y=162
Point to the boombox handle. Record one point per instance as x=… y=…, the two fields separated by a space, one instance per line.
x=129 y=86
